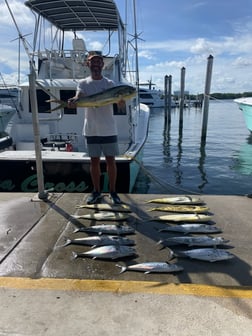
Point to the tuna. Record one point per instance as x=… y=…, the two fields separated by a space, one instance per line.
x=107 y=252
x=107 y=229
x=100 y=241
x=205 y=254
x=192 y=228
x=152 y=267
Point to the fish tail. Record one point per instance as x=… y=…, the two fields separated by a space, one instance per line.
x=61 y=105
x=67 y=242
x=74 y=255
x=123 y=268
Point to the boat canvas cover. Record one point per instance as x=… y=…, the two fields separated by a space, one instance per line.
x=78 y=14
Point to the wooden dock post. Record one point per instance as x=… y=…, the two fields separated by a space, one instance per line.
x=167 y=97
x=206 y=97
x=182 y=97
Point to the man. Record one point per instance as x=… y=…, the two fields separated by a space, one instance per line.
x=99 y=128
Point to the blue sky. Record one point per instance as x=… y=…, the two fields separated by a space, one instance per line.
x=176 y=34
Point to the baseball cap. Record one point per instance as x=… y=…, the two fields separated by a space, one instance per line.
x=93 y=54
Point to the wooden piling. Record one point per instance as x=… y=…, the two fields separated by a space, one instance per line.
x=167 y=97
x=182 y=97
x=206 y=97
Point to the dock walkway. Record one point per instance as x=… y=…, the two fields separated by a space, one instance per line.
x=51 y=293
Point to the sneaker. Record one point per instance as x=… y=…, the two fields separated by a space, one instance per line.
x=94 y=198
x=115 y=198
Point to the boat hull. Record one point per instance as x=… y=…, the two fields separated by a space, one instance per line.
x=63 y=176
x=245 y=105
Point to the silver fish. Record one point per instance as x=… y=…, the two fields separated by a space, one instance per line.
x=107 y=252
x=109 y=96
x=152 y=267
x=106 y=216
x=194 y=241
x=205 y=254
x=107 y=229
x=100 y=241
x=105 y=207
x=192 y=228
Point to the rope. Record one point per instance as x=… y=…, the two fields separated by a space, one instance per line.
x=163 y=186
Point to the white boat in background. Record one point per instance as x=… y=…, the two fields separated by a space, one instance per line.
x=65 y=161
x=151 y=97
x=6 y=114
x=245 y=105
x=9 y=95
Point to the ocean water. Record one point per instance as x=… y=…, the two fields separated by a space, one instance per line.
x=177 y=161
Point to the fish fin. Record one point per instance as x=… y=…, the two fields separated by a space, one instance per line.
x=147 y=272
x=123 y=268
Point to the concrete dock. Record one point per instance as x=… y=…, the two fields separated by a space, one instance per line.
x=51 y=293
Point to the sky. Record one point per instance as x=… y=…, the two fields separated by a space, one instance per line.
x=172 y=35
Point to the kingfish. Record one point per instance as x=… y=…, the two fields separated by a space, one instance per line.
x=105 y=207
x=106 y=216
x=194 y=241
x=184 y=218
x=205 y=254
x=107 y=229
x=109 y=96
x=95 y=241
x=152 y=267
x=192 y=228
x=107 y=252
x=177 y=200
x=182 y=208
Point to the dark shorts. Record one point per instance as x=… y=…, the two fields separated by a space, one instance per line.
x=106 y=145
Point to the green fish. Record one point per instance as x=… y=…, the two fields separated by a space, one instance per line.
x=109 y=96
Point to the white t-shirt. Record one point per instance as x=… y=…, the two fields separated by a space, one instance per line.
x=99 y=121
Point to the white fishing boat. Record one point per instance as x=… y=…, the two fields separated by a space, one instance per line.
x=65 y=162
x=245 y=105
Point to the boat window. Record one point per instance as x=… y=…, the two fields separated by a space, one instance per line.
x=65 y=95
x=43 y=105
x=145 y=95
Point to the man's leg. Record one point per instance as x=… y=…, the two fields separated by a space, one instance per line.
x=95 y=171
x=112 y=172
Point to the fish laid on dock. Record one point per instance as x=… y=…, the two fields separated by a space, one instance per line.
x=107 y=229
x=184 y=218
x=101 y=240
x=105 y=207
x=106 y=97
x=191 y=228
x=107 y=252
x=105 y=216
x=194 y=241
x=205 y=254
x=182 y=208
x=152 y=267
x=177 y=200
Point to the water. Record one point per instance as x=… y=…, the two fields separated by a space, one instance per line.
x=178 y=162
